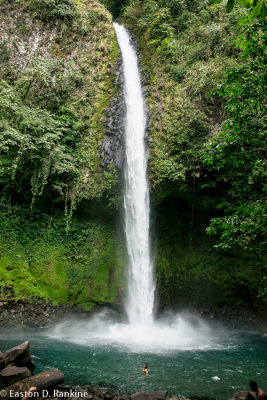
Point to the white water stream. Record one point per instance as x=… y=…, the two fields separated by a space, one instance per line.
x=141 y=289
x=142 y=332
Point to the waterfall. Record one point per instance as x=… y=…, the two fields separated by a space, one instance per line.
x=139 y=305
x=142 y=331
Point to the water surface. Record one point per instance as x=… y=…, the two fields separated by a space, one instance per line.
x=237 y=358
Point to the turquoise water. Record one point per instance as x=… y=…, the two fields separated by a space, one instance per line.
x=238 y=358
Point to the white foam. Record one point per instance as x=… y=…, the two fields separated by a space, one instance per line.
x=181 y=332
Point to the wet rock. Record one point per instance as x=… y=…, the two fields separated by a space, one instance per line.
x=10 y=375
x=19 y=356
x=141 y=396
x=117 y=396
x=111 y=150
x=65 y=388
x=96 y=392
x=125 y=397
x=157 y=395
x=45 y=380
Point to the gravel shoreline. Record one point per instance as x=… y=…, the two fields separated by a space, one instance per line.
x=22 y=314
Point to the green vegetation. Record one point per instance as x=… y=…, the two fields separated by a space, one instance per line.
x=191 y=272
x=53 y=9
x=57 y=72
x=39 y=258
x=206 y=83
x=187 y=47
x=115 y=7
x=238 y=152
x=50 y=97
x=256 y=7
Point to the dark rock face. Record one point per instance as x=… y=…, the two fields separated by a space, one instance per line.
x=20 y=356
x=112 y=147
x=35 y=314
x=10 y=375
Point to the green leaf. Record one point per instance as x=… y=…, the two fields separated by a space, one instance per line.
x=216 y=1
x=230 y=5
x=245 y=3
x=264 y=11
x=256 y=10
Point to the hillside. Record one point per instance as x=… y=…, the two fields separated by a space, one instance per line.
x=186 y=49
x=58 y=64
x=61 y=152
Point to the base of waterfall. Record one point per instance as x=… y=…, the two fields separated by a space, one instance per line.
x=215 y=369
x=172 y=332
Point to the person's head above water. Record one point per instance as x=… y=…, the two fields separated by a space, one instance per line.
x=253 y=385
x=145 y=366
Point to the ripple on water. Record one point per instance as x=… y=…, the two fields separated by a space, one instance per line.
x=180 y=371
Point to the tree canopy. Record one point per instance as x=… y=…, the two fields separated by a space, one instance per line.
x=238 y=152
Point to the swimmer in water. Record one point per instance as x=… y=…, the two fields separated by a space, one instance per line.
x=145 y=370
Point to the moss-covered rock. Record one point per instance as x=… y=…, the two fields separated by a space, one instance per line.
x=185 y=49
x=38 y=258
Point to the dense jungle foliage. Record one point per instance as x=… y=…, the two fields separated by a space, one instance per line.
x=52 y=97
x=206 y=73
x=205 y=69
x=58 y=61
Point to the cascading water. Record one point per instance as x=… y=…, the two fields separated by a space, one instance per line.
x=140 y=301
x=142 y=332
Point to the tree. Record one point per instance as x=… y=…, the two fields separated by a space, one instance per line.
x=255 y=7
x=238 y=152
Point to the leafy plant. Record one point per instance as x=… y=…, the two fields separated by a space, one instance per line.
x=52 y=9
x=238 y=151
x=255 y=7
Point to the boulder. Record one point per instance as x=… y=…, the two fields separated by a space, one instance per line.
x=45 y=380
x=157 y=395
x=10 y=375
x=19 y=356
x=116 y=396
x=96 y=391
x=141 y=396
x=125 y=397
